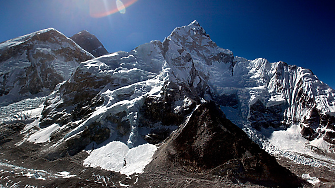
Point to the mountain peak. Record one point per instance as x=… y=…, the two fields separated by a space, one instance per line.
x=195 y=22
x=49 y=32
x=190 y=30
x=84 y=32
x=90 y=43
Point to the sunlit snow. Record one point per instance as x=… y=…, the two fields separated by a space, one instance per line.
x=116 y=156
x=289 y=140
x=144 y=71
x=44 y=134
x=311 y=180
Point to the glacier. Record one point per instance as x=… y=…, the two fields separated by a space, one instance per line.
x=130 y=99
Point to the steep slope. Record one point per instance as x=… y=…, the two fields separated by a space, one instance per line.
x=279 y=95
x=128 y=99
x=209 y=143
x=36 y=63
x=134 y=95
x=90 y=43
x=141 y=96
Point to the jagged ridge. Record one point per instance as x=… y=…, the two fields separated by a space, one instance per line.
x=143 y=95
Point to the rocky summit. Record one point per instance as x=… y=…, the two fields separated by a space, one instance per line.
x=209 y=143
x=89 y=43
x=179 y=112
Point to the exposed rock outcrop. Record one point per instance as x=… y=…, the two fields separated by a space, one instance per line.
x=208 y=142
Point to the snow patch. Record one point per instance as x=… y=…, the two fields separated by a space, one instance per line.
x=289 y=140
x=137 y=158
x=43 y=135
x=65 y=174
x=116 y=156
x=275 y=100
x=311 y=180
x=320 y=143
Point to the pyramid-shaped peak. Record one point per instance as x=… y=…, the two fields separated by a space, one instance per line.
x=194 y=23
x=84 y=32
x=185 y=31
x=90 y=43
x=195 y=26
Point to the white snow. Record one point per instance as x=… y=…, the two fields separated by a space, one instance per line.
x=321 y=144
x=137 y=158
x=289 y=140
x=16 y=62
x=311 y=180
x=23 y=110
x=144 y=71
x=290 y=144
x=116 y=156
x=109 y=157
x=65 y=174
x=44 y=134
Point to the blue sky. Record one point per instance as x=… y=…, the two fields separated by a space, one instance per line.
x=298 y=32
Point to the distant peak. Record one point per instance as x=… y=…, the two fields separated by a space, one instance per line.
x=83 y=32
x=195 y=23
x=45 y=31
x=194 y=28
x=48 y=29
x=90 y=43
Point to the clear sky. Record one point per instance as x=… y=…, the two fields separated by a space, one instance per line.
x=298 y=32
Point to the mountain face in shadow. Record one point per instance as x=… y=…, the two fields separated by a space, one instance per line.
x=208 y=142
x=90 y=43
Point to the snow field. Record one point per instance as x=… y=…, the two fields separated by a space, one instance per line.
x=44 y=134
x=116 y=156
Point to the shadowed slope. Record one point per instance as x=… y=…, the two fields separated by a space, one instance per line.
x=208 y=142
x=90 y=43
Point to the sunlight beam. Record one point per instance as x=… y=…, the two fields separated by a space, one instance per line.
x=102 y=8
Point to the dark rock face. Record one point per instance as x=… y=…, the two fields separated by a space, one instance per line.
x=208 y=142
x=227 y=100
x=7 y=131
x=161 y=109
x=90 y=43
x=262 y=116
x=329 y=122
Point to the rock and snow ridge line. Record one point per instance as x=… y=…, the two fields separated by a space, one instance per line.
x=32 y=65
x=104 y=96
x=188 y=56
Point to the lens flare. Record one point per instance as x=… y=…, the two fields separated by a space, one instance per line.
x=120 y=6
x=101 y=8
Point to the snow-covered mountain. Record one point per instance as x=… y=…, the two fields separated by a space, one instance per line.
x=36 y=63
x=90 y=43
x=136 y=94
x=128 y=102
x=158 y=83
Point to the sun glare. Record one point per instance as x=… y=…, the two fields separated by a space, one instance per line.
x=120 y=6
x=101 y=8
